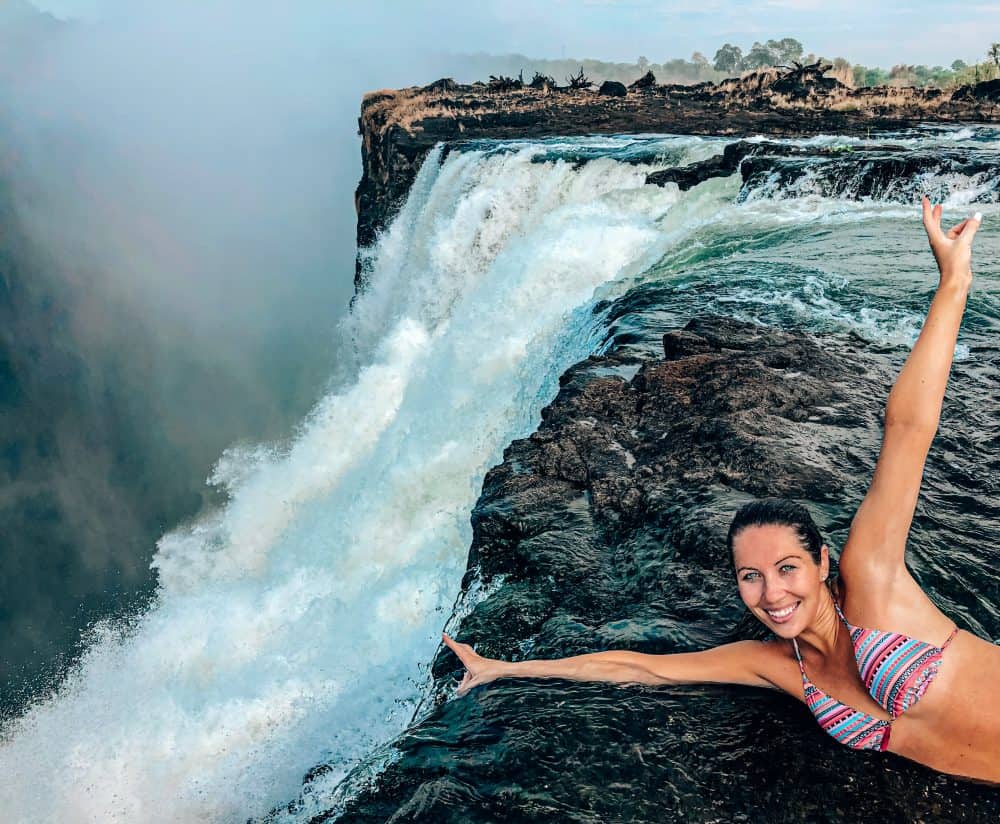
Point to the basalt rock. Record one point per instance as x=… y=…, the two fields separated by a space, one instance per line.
x=723 y=165
x=986 y=92
x=399 y=127
x=612 y=88
x=445 y=84
x=605 y=529
x=885 y=172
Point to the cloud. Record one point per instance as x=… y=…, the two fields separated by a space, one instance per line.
x=181 y=181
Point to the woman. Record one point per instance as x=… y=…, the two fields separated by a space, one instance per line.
x=877 y=663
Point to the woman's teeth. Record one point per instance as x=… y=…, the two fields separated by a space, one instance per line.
x=781 y=615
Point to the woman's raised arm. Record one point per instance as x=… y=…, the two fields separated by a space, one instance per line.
x=877 y=540
x=741 y=662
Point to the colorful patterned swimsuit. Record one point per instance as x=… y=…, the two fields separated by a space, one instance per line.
x=896 y=670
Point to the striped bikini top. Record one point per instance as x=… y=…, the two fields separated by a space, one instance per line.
x=896 y=671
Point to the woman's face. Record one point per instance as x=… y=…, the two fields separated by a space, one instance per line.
x=778 y=579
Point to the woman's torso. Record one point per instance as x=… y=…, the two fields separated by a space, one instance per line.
x=954 y=727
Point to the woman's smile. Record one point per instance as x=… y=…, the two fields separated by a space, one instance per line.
x=783 y=615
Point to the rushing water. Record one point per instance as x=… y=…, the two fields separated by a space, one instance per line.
x=294 y=626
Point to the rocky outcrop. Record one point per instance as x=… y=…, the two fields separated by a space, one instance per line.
x=399 y=127
x=606 y=529
x=885 y=172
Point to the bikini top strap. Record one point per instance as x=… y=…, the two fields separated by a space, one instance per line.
x=798 y=657
x=840 y=612
x=951 y=637
x=847 y=624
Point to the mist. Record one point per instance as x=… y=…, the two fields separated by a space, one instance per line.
x=176 y=248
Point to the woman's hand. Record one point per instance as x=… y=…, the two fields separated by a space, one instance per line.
x=952 y=249
x=478 y=670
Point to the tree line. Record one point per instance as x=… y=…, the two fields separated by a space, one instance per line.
x=730 y=61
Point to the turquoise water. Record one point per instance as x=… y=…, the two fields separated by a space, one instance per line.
x=786 y=251
x=295 y=625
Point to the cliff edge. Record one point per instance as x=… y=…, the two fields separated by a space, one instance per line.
x=398 y=127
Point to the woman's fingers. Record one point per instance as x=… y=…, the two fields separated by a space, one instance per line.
x=453 y=645
x=464 y=652
x=932 y=218
x=956 y=230
x=471 y=660
x=966 y=229
x=466 y=683
x=972 y=225
x=932 y=223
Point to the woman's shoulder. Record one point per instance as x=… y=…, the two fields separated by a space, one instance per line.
x=900 y=606
x=777 y=664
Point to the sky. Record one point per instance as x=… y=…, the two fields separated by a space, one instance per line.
x=884 y=33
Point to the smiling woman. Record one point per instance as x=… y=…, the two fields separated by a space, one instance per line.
x=781 y=565
x=861 y=652
x=774 y=588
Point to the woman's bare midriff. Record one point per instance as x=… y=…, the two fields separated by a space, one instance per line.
x=955 y=727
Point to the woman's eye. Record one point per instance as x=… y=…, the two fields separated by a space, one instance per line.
x=749 y=576
x=788 y=566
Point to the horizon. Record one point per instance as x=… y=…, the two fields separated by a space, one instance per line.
x=622 y=31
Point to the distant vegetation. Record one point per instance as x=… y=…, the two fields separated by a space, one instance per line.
x=730 y=60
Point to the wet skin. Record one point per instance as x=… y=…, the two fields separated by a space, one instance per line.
x=954 y=728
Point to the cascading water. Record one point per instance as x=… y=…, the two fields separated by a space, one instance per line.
x=293 y=627
x=290 y=627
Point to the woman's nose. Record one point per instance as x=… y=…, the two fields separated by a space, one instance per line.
x=773 y=591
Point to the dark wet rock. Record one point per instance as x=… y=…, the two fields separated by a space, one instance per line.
x=987 y=91
x=399 y=127
x=885 y=172
x=605 y=529
x=612 y=88
x=722 y=165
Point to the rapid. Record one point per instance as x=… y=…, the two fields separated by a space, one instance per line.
x=295 y=625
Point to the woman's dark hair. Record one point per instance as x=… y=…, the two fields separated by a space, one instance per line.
x=780 y=512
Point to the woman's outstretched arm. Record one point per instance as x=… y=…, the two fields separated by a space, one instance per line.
x=876 y=545
x=743 y=662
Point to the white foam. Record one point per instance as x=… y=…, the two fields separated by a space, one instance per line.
x=291 y=627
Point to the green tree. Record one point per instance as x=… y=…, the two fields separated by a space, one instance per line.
x=785 y=51
x=994 y=54
x=870 y=76
x=699 y=59
x=759 y=56
x=729 y=58
x=958 y=65
x=903 y=75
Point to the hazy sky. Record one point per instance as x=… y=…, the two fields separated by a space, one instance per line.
x=883 y=33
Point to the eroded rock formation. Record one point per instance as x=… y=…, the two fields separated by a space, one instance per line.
x=606 y=528
x=398 y=127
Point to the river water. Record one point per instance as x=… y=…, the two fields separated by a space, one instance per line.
x=295 y=626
